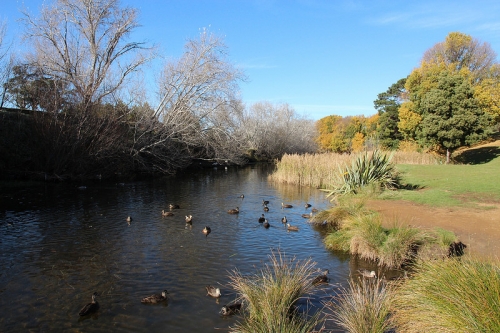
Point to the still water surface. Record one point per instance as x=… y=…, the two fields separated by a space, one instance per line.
x=59 y=244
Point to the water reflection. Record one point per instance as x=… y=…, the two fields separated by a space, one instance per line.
x=59 y=244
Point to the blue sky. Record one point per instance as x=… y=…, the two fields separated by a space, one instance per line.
x=322 y=57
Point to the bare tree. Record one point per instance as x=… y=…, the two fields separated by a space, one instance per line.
x=196 y=115
x=270 y=130
x=83 y=42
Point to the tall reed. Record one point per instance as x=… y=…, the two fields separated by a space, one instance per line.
x=445 y=296
x=315 y=170
x=270 y=296
x=322 y=170
x=363 y=307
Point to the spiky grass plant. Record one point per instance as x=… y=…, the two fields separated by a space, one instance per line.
x=363 y=307
x=366 y=169
x=445 y=296
x=270 y=296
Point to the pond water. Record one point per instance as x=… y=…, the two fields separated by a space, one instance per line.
x=59 y=243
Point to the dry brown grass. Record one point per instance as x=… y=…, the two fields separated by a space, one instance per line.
x=323 y=170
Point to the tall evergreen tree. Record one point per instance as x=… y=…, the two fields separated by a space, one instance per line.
x=451 y=116
x=387 y=104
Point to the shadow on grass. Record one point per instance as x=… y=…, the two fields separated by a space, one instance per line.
x=478 y=155
x=410 y=187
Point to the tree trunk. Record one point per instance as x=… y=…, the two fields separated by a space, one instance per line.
x=447 y=156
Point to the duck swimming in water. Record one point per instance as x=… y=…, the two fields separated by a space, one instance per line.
x=323 y=278
x=284 y=220
x=173 y=206
x=155 y=298
x=265 y=202
x=206 y=231
x=212 y=291
x=266 y=224
x=266 y=209
x=291 y=227
x=189 y=219
x=307 y=216
x=307 y=205
x=286 y=205
x=91 y=307
x=262 y=219
x=234 y=210
x=164 y=213
x=366 y=273
x=229 y=310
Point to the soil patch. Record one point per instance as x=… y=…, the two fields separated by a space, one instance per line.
x=478 y=229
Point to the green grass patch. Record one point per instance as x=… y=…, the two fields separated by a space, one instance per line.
x=448 y=296
x=450 y=185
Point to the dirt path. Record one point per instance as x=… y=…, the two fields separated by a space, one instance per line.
x=478 y=229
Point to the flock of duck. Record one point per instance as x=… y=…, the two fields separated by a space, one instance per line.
x=212 y=291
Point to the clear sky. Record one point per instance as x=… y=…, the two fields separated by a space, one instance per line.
x=322 y=57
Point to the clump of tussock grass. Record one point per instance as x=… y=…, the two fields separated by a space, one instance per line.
x=346 y=206
x=448 y=296
x=270 y=296
x=363 y=307
x=364 y=236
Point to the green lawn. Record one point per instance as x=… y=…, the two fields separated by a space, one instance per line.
x=468 y=185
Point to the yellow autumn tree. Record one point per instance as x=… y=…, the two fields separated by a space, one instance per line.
x=358 y=142
x=408 y=120
x=487 y=92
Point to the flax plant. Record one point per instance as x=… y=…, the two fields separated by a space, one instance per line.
x=270 y=296
x=363 y=307
x=449 y=296
x=366 y=169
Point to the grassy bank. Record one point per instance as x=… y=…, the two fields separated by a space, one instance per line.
x=449 y=296
x=359 y=231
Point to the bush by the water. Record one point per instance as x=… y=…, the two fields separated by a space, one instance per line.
x=362 y=307
x=449 y=296
x=269 y=297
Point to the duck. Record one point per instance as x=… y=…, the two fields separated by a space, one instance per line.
x=291 y=227
x=212 y=291
x=322 y=278
x=228 y=310
x=266 y=224
x=265 y=202
x=266 y=209
x=155 y=298
x=262 y=219
x=241 y=196
x=189 y=219
x=91 y=307
x=314 y=210
x=128 y=219
x=366 y=273
x=234 y=210
x=172 y=206
x=207 y=230
x=286 y=205
x=284 y=220
x=307 y=205
x=164 y=213
x=307 y=216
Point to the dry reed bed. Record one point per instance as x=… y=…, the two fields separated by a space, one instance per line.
x=323 y=170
